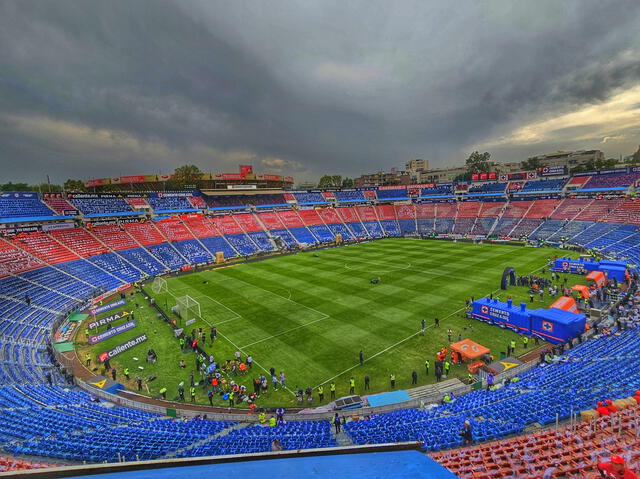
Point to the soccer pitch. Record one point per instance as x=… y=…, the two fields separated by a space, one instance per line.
x=309 y=314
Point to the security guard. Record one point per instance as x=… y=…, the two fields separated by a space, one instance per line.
x=332 y=390
x=470 y=377
x=87 y=357
x=525 y=340
x=392 y=379
x=321 y=393
x=126 y=373
x=272 y=421
x=426 y=366
x=262 y=417
x=352 y=385
x=193 y=394
x=513 y=346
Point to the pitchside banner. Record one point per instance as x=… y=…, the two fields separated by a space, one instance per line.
x=106 y=307
x=121 y=348
x=109 y=319
x=110 y=333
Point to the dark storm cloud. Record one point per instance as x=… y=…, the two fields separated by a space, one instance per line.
x=92 y=88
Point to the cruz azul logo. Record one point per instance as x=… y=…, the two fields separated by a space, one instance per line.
x=547 y=326
x=484 y=310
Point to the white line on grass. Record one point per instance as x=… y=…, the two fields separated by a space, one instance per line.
x=285 y=332
x=235 y=346
x=407 y=338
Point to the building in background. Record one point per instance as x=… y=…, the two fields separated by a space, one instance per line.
x=382 y=178
x=570 y=159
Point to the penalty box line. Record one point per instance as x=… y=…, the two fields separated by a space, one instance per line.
x=235 y=346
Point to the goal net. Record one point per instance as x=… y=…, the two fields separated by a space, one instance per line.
x=159 y=286
x=188 y=308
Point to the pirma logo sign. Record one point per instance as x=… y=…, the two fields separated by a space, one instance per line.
x=121 y=348
x=108 y=319
x=110 y=333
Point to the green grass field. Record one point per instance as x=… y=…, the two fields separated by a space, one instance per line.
x=310 y=314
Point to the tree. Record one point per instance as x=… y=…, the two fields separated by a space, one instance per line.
x=15 y=187
x=74 y=186
x=187 y=175
x=463 y=177
x=478 y=162
x=330 y=181
x=532 y=164
x=347 y=183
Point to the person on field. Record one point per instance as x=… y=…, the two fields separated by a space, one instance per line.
x=352 y=385
x=366 y=383
x=321 y=393
x=423 y=326
x=332 y=390
x=361 y=356
x=414 y=378
x=449 y=334
x=437 y=322
x=181 y=391
x=392 y=380
x=427 y=363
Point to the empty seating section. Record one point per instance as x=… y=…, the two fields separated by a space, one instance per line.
x=406 y=215
x=261 y=240
x=284 y=235
x=115 y=237
x=577 y=182
x=488 y=188
x=602 y=234
x=310 y=217
x=29 y=284
x=613 y=180
x=243 y=244
x=392 y=193
x=197 y=202
x=143 y=260
x=92 y=206
x=491 y=209
x=89 y=273
x=570 y=208
x=386 y=212
x=226 y=224
x=302 y=235
x=45 y=248
x=270 y=220
x=309 y=197
x=599 y=210
x=60 y=206
x=173 y=229
x=627 y=212
x=248 y=222
x=194 y=251
x=543 y=185
x=525 y=227
x=79 y=241
x=242 y=201
x=350 y=195
x=542 y=208
x=166 y=254
x=117 y=266
x=290 y=219
x=200 y=226
x=144 y=233
x=387 y=216
x=22 y=207
x=329 y=216
x=168 y=203
x=322 y=233
x=564 y=452
x=293 y=435
x=137 y=203
x=436 y=190
x=217 y=244
x=14 y=260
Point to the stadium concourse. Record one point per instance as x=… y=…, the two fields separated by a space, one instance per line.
x=61 y=254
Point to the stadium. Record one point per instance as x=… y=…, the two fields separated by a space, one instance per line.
x=375 y=321
x=360 y=239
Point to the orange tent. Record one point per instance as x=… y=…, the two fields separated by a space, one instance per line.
x=566 y=303
x=597 y=277
x=584 y=290
x=469 y=349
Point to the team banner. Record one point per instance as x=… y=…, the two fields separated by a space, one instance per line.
x=106 y=307
x=109 y=319
x=552 y=170
x=110 y=333
x=121 y=348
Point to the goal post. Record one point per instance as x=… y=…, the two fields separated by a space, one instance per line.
x=159 y=286
x=188 y=308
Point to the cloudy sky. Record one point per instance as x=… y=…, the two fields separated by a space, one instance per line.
x=109 y=88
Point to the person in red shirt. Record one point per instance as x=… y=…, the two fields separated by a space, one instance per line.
x=603 y=411
x=615 y=469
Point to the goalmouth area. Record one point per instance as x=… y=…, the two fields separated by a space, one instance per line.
x=310 y=314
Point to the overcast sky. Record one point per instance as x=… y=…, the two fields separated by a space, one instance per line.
x=109 y=88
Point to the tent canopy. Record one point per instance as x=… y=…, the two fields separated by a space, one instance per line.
x=582 y=289
x=469 y=349
x=597 y=277
x=565 y=303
